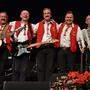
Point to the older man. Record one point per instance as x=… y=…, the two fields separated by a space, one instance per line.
x=5 y=43
x=69 y=35
x=22 y=37
x=86 y=35
x=46 y=30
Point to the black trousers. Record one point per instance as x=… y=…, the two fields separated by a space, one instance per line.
x=20 y=65
x=44 y=60
x=3 y=63
x=65 y=60
x=87 y=59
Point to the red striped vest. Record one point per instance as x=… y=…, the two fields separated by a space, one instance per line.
x=40 y=31
x=73 y=36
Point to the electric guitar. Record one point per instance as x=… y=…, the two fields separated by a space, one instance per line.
x=23 y=48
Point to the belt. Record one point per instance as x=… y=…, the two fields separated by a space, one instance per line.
x=47 y=46
x=64 y=48
x=23 y=43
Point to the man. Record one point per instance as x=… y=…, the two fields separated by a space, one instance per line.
x=86 y=35
x=69 y=35
x=46 y=30
x=22 y=37
x=5 y=43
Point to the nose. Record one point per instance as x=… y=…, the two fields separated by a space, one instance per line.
x=26 y=15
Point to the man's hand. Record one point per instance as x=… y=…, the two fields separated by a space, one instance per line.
x=0 y=32
x=82 y=50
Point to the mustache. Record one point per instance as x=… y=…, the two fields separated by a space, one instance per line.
x=3 y=19
x=69 y=20
x=47 y=16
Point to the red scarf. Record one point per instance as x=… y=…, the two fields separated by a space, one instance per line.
x=40 y=31
x=73 y=35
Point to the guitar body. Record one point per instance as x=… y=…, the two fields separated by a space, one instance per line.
x=21 y=48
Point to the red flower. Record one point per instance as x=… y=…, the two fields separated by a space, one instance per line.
x=73 y=74
x=87 y=74
x=81 y=79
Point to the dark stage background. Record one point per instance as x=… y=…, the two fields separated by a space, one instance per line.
x=80 y=8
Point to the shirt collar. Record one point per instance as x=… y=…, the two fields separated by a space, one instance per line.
x=72 y=25
x=51 y=21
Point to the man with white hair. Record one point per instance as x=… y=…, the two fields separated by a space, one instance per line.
x=86 y=35
x=46 y=30
x=22 y=37
x=5 y=44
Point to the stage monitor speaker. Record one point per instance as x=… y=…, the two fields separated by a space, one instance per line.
x=12 y=85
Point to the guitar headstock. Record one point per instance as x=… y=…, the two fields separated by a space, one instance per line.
x=52 y=40
x=55 y=40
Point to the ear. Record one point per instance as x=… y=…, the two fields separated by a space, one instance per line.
x=86 y=21
x=51 y=17
x=7 y=17
x=20 y=16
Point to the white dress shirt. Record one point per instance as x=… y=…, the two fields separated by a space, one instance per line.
x=23 y=33
x=86 y=37
x=65 y=36
x=47 y=33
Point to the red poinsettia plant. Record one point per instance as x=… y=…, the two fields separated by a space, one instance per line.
x=73 y=79
x=79 y=78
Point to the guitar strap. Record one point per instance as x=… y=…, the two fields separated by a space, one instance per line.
x=3 y=31
x=30 y=34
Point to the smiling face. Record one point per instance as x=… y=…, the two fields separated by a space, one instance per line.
x=3 y=18
x=47 y=14
x=69 y=18
x=24 y=15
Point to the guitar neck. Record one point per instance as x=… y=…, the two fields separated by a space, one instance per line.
x=40 y=43
x=36 y=44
